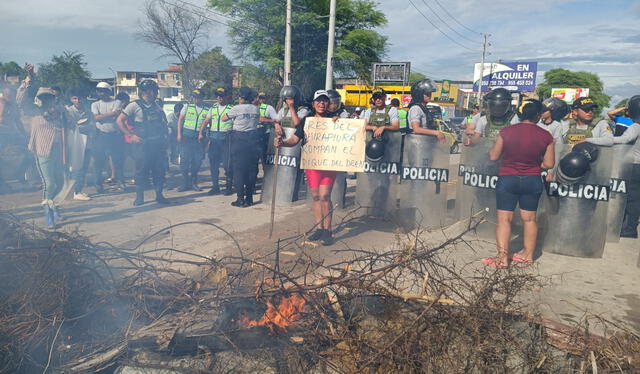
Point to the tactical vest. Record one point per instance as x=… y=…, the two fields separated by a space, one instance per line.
x=263 y=111
x=154 y=123
x=402 y=116
x=492 y=129
x=380 y=119
x=575 y=135
x=218 y=127
x=193 y=120
x=287 y=121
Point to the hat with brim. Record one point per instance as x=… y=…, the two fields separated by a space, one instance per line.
x=196 y=93
x=219 y=92
x=321 y=95
x=584 y=103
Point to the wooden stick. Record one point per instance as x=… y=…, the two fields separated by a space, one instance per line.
x=274 y=189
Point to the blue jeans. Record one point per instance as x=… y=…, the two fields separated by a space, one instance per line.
x=52 y=172
x=523 y=190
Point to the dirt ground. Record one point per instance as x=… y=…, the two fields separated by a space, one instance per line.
x=608 y=287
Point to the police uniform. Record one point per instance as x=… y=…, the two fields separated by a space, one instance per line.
x=600 y=133
x=150 y=124
x=192 y=150
x=244 y=146
x=265 y=129
x=490 y=128
x=381 y=117
x=403 y=115
x=219 y=134
x=632 y=213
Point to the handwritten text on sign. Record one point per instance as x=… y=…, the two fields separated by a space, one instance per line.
x=333 y=145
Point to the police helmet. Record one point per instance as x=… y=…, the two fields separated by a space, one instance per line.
x=589 y=150
x=375 y=149
x=292 y=92
x=498 y=101
x=334 y=97
x=421 y=88
x=558 y=108
x=147 y=85
x=572 y=167
x=633 y=108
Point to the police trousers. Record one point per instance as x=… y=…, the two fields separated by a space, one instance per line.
x=220 y=153
x=633 y=199
x=150 y=161
x=244 y=146
x=191 y=155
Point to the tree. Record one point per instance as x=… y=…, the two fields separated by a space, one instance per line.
x=259 y=30
x=177 y=30
x=414 y=76
x=562 y=78
x=11 y=69
x=622 y=103
x=68 y=71
x=215 y=69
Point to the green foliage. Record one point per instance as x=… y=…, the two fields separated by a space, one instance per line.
x=261 y=80
x=258 y=36
x=415 y=76
x=11 y=69
x=562 y=78
x=622 y=103
x=68 y=71
x=214 y=68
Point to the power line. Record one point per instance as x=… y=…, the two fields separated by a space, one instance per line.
x=455 y=19
x=211 y=19
x=442 y=32
x=206 y=9
x=446 y=24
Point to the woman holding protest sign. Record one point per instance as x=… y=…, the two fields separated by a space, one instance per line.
x=320 y=181
x=524 y=148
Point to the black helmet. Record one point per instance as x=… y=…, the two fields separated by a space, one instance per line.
x=572 y=167
x=589 y=150
x=499 y=102
x=293 y=92
x=148 y=84
x=247 y=93
x=633 y=108
x=558 y=108
x=422 y=87
x=334 y=97
x=375 y=149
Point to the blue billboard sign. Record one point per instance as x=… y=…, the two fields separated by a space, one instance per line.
x=514 y=76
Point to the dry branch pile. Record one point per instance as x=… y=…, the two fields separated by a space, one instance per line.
x=73 y=306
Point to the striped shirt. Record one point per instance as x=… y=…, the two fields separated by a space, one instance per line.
x=44 y=134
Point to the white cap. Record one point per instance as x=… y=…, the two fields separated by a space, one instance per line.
x=103 y=85
x=358 y=109
x=320 y=93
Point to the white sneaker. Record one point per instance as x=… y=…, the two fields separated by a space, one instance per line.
x=81 y=196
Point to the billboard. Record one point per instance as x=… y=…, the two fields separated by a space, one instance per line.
x=391 y=72
x=514 y=76
x=568 y=95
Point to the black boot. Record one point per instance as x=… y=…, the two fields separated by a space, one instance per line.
x=239 y=202
x=228 y=187
x=186 y=183
x=139 y=196
x=248 y=198
x=215 y=189
x=160 y=199
x=194 y=183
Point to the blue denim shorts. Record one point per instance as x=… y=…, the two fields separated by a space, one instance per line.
x=523 y=190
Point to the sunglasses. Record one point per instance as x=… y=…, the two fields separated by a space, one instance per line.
x=587 y=110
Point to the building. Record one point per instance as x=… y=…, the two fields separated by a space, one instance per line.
x=127 y=82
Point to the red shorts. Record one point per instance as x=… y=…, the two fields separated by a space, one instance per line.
x=317 y=178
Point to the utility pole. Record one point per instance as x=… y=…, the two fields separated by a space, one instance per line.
x=332 y=34
x=484 y=52
x=287 y=46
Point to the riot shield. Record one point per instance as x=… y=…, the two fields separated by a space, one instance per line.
x=574 y=221
x=424 y=182
x=289 y=173
x=338 y=192
x=375 y=191
x=621 y=166
x=475 y=188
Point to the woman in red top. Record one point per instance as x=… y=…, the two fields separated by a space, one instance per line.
x=524 y=148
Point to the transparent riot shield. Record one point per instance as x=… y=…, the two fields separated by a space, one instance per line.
x=621 y=166
x=374 y=188
x=475 y=188
x=289 y=173
x=574 y=220
x=422 y=192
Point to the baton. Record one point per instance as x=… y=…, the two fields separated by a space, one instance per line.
x=274 y=189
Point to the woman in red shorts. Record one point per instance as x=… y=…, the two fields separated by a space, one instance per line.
x=320 y=181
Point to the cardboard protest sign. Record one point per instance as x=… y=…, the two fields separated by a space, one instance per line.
x=332 y=145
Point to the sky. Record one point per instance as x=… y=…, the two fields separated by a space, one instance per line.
x=597 y=36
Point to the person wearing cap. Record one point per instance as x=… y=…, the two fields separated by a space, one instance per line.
x=357 y=112
x=191 y=120
x=81 y=128
x=108 y=140
x=244 y=145
x=218 y=134
x=148 y=137
x=402 y=115
x=584 y=126
x=381 y=117
x=320 y=182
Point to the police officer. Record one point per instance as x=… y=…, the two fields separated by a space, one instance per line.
x=632 y=213
x=265 y=128
x=381 y=117
x=402 y=115
x=149 y=137
x=192 y=118
x=584 y=126
x=554 y=111
x=336 y=108
x=500 y=113
x=244 y=145
x=218 y=131
x=620 y=119
x=420 y=118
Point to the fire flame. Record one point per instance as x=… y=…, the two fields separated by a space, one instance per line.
x=287 y=312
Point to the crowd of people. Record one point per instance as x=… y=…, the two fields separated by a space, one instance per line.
x=68 y=138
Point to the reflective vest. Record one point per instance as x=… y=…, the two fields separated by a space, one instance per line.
x=492 y=129
x=380 y=119
x=192 y=120
x=574 y=134
x=402 y=116
x=263 y=111
x=154 y=123
x=219 y=127
x=287 y=121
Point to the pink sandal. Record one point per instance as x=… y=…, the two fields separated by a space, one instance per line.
x=521 y=260
x=491 y=261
